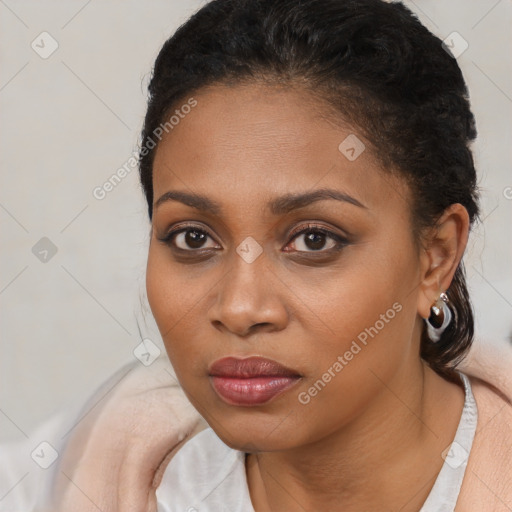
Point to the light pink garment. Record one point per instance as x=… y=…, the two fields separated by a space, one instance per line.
x=113 y=455
x=116 y=455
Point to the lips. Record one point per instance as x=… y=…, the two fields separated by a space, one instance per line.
x=249 y=368
x=250 y=381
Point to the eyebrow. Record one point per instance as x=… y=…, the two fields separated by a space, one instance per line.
x=290 y=202
x=279 y=206
x=197 y=201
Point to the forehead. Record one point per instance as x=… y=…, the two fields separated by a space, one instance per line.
x=260 y=141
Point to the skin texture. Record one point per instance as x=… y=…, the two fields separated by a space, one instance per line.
x=372 y=438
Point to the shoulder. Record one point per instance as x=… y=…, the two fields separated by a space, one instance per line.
x=128 y=428
x=487 y=483
x=491 y=362
x=494 y=413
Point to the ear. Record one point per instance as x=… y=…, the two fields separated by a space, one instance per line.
x=441 y=254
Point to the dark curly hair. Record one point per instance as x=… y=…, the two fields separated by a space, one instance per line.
x=377 y=67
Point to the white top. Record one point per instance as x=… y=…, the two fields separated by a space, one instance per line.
x=206 y=475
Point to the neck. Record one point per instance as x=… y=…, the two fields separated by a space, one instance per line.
x=385 y=459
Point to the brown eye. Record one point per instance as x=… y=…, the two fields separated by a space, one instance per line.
x=313 y=241
x=316 y=239
x=192 y=238
x=189 y=239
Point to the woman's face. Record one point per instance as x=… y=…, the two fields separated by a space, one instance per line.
x=326 y=285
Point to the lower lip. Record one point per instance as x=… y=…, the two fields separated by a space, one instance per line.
x=251 y=391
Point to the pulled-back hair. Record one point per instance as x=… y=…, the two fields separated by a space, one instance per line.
x=376 y=66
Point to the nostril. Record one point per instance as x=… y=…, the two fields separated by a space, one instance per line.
x=217 y=324
x=262 y=324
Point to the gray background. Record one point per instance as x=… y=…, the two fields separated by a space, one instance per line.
x=71 y=120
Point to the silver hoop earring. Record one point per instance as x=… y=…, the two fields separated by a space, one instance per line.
x=439 y=319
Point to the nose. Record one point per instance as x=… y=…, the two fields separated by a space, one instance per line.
x=249 y=299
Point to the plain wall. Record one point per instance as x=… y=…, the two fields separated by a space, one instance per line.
x=69 y=121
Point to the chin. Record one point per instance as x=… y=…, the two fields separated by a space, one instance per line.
x=252 y=435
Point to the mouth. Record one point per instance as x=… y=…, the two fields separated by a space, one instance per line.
x=250 y=381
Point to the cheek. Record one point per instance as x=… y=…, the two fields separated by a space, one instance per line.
x=172 y=289
x=367 y=318
x=351 y=298
x=158 y=280
x=169 y=295
x=351 y=365
x=358 y=322
x=176 y=298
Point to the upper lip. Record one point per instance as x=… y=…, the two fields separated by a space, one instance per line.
x=249 y=367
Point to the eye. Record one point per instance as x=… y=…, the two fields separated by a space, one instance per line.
x=314 y=238
x=190 y=239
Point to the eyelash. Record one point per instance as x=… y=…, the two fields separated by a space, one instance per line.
x=340 y=241
x=314 y=228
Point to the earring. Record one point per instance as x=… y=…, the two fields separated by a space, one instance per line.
x=439 y=319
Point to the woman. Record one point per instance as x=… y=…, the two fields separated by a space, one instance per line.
x=311 y=189
x=310 y=209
